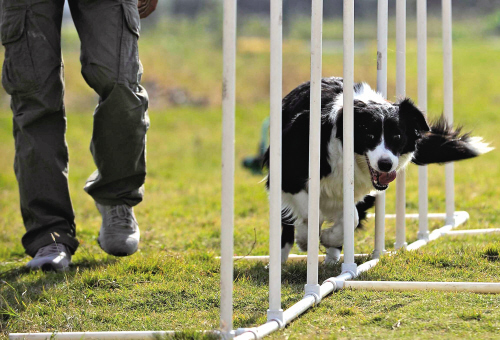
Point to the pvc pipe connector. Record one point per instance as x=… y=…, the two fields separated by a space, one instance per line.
x=317 y=298
x=378 y=253
x=350 y=268
x=227 y=336
x=334 y=284
x=276 y=315
x=398 y=245
x=240 y=331
x=313 y=290
x=252 y=331
x=280 y=323
x=350 y=273
x=338 y=284
x=423 y=235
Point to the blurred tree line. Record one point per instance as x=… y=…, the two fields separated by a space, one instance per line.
x=332 y=8
x=302 y=8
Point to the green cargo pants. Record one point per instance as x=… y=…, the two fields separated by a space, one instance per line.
x=33 y=76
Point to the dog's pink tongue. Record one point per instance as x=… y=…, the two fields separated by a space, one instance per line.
x=387 y=177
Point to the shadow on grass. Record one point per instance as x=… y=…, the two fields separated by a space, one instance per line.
x=292 y=273
x=14 y=274
x=16 y=294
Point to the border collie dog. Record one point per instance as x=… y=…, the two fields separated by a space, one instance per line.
x=387 y=137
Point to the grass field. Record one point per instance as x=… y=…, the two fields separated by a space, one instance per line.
x=172 y=282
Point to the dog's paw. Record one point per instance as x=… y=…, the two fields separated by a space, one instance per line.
x=332 y=255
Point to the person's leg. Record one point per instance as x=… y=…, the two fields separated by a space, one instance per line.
x=32 y=75
x=109 y=30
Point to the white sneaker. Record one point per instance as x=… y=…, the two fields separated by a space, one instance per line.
x=55 y=256
x=119 y=234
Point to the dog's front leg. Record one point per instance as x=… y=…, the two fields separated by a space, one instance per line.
x=301 y=233
x=333 y=238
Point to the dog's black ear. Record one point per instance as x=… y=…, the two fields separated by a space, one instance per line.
x=412 y=118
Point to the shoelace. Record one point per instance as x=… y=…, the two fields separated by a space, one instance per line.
x=121 y=216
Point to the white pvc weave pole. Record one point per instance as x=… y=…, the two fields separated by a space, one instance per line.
x=275 y=311
x=382 y=29
x=448 y=103
x=312 y=286
x=423 y=194
x=400 y=93
x=348 y=142
x=228 y=134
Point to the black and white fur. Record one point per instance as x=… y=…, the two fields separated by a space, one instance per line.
x=387 y=137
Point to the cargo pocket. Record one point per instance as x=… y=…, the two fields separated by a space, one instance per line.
x=132 y=18
x=129 y=54
x=18 y=74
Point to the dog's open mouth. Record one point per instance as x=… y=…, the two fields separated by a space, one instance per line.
x=380 y=180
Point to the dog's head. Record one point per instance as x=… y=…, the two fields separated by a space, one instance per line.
x=385 y=134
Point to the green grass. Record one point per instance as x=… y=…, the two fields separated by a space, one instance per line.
x=172 y=283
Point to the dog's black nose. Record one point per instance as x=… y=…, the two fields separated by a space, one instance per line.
x=385 y=164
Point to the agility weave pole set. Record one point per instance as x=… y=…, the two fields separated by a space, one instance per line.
x=277 y=318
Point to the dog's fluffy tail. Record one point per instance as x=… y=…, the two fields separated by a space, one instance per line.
x=444 y=144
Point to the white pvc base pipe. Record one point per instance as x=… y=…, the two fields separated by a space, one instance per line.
x=91 y=335
x=124 y=335
x=472 y=287
x=472 y=231
x=459 y=218
x=441 y=216
x=291 y=257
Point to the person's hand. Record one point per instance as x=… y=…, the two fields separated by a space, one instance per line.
x=146 y=7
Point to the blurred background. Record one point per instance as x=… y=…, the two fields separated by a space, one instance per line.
x=181 y=47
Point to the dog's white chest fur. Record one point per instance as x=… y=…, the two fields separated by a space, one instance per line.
x=331 y=186
x=331 y=199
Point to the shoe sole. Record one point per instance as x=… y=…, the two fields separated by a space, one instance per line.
x=113 y=254
x=49 y=267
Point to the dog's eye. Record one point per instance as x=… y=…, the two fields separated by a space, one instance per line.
x=371 y=137
x=396 y=137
